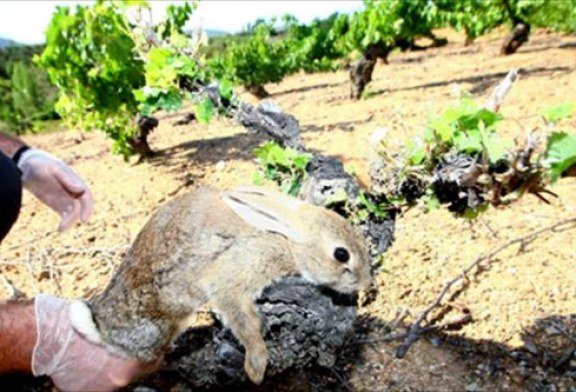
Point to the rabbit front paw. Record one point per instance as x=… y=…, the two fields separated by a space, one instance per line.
x=255 y=364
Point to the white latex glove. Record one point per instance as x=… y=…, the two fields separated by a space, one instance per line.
x=57 y=186
x=72 y=362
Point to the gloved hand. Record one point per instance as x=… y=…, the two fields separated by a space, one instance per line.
x=72 y=362
x=56 y=185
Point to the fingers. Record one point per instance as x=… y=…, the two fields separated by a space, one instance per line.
x=86 y=205
x=69 y=180
x=55 y=184
x=70 y=216
x=81 y=203
x=78 y=210
x=122 y=371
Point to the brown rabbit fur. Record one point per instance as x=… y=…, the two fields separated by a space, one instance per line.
x=220 y=248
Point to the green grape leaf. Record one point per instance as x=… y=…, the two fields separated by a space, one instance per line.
x=257 y=178
x=432 y=202
x=339 y=196
x=444 y=127
x=226 y=89
x=469 y=142
x=204 y=110
x=560 y=153
x=555 y=113
x=169 y=101
x=363 y=215
x=497 y=148
x=429 y=135
x=473 y=213
x=416 y=153
x=473 y=120
x=301 y=160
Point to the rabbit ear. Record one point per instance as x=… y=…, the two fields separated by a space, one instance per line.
x=267 y=210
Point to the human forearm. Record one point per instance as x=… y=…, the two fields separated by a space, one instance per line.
x=38 y=337
x=10 y=144
x=17 y=335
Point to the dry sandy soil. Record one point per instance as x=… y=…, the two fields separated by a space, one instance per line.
x=509 y=344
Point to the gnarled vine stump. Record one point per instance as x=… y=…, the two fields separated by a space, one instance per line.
x=139 y=141
x=303 y=325
x=516 y=38
x=360 y=76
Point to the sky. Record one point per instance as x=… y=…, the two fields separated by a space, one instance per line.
x=24 y=21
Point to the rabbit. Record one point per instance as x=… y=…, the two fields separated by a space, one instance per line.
x=223 y=249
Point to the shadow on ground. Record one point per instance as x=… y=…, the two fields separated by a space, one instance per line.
x=306 y=88
x=481 y=82
x=440 y=361
x=542 y=48
x=345 y=126
x=210 y=151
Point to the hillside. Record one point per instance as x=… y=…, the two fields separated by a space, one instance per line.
x=216 y=33
x=509 y=344
x=4 y=42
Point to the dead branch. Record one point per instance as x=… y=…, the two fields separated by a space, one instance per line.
x=91 y=224
x=500 y=92
x=13 y=292
x=416 y=330
x=564 y=331
x=449 y=326
x=31 y=241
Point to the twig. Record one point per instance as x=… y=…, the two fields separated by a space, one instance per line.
x=500 y=92
x=487 y=226
x=30 y=241
x=341 y=379
x=14 y=292
x=91 y=224
x=564 y=331
x=452 y=325
x=416 y=329
x=70 y=251
x=30 y=268
x=187 y=182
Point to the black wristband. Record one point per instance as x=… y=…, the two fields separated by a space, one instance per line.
x=19 y=153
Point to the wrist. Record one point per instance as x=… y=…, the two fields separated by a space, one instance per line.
x=19 y=152
x=9 y=144
x=25 y=155
x=17 y=336
x=53 y=330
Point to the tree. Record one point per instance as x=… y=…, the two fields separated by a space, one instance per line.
x=315 y=45
x=477 y=17
x=27 y=99
x=258 y=60
x=26 y=96
x=380 y=28
x=90 y=57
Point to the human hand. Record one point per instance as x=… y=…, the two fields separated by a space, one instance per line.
x=56 y=185
x=72 y=362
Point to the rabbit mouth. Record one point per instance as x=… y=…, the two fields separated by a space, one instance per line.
x=327 y=283
x=352 y=286
x=346 y=288
x=349 y=287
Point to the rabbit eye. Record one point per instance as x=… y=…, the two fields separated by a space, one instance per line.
x=341 y=255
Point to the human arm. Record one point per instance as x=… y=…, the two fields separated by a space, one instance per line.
x=51 y=181
x=17 y=336
x=9 y=144
x=38 y=337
